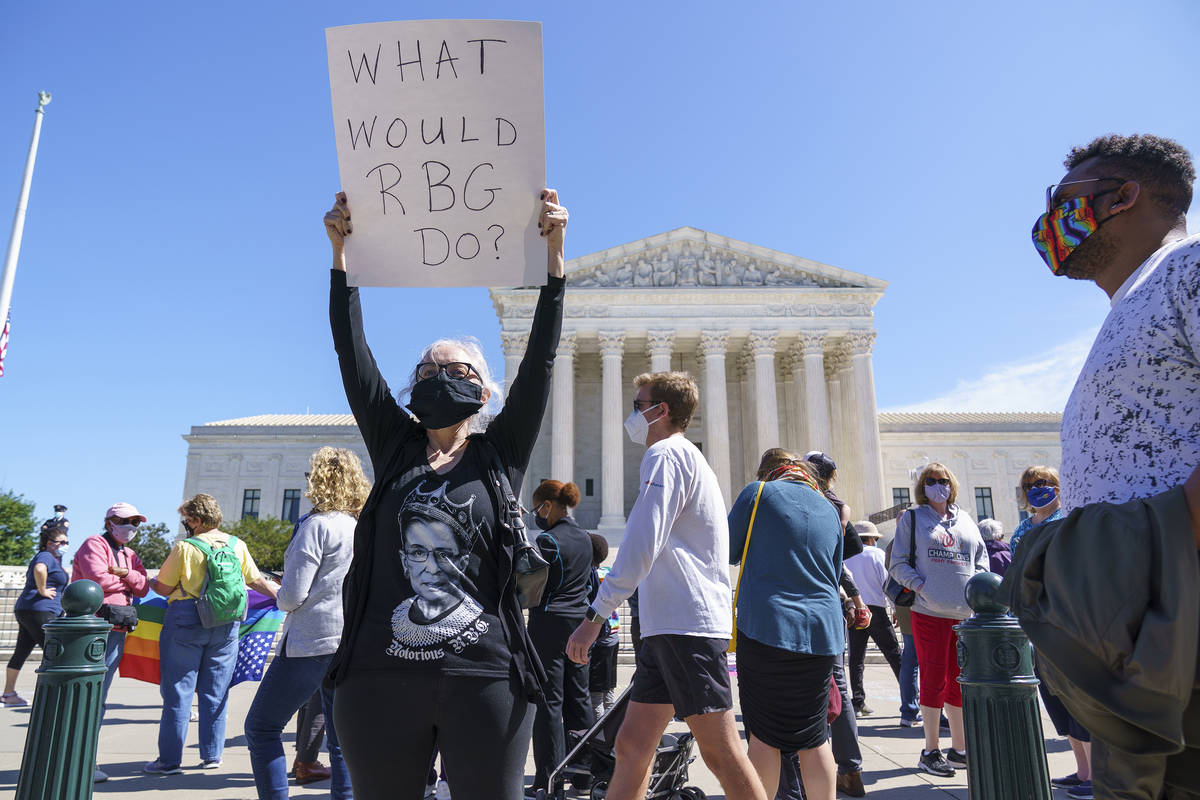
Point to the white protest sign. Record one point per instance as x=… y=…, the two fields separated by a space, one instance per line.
x=441 y=144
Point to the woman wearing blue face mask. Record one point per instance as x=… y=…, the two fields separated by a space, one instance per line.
x=1039 y=493
x=948 y=552
x=568 y=549
x=37 y=604
x=434 y=649
x=1039 y=489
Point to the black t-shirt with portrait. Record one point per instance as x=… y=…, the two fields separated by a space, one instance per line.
x=434 y=589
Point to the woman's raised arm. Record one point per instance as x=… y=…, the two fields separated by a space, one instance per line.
x=375 y=410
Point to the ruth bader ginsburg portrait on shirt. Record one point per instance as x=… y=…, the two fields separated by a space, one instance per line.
x=437 y=538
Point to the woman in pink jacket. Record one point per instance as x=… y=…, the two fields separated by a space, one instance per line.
x=105 y=559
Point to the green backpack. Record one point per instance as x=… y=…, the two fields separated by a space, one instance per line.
x=223 y=598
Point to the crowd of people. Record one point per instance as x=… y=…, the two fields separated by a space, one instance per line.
x=404 y=598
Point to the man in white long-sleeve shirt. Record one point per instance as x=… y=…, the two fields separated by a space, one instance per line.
x=675 y=549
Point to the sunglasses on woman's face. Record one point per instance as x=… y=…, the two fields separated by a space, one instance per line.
x=932 y=481
x=1040 y=483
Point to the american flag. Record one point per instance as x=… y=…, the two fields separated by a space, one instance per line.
x=253 y=649
x=256 y=637
x=4 y=342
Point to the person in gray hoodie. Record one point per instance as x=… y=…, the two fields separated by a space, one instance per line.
x=949 y=551
x=314 y=567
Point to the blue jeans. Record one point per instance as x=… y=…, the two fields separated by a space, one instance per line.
x=113 y=650
x=194 y=660
x=288 y=684
x=909 y=689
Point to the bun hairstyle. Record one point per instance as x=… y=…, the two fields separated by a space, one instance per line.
x=566 y=494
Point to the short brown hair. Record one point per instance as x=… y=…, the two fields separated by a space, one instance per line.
x=676 y=389
x=933 y=466
x=1031 y=474
x=203 y=508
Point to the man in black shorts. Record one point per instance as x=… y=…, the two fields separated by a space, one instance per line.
x=674 y=552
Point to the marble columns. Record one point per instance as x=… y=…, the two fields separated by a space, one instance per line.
x=837 y=422
x=812 y=345
x=562 y=420
x=659 y=345
x=612 y=473
x=766 y=403
x=513 y=343
x=864 y=389
x=715 y=407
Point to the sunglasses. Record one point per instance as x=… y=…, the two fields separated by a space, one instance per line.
x=1053 y=189
x=1040 y=483
x=455 y=369
x=60 y=541
x=932 y=481
x=134 y=521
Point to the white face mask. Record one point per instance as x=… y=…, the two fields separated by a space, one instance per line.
x=636 y=425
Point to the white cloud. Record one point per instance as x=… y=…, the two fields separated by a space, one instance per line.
x=1038 y=385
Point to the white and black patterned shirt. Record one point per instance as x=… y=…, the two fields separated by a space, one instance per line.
x=1131 y=427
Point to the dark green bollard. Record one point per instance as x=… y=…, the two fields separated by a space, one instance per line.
x=1006 y=754
x=60 y=745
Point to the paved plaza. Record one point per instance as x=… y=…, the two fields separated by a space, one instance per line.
x=127 y=741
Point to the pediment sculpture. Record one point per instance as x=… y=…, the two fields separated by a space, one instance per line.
x=693 y=266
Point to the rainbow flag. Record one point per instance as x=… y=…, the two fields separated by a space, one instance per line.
x=256 y=638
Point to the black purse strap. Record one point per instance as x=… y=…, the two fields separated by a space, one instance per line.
x=510 y=508
x=912 y=541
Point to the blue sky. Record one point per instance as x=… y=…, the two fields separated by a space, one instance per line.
x=174 y=266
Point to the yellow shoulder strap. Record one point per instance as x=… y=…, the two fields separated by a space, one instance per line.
x=746 y=546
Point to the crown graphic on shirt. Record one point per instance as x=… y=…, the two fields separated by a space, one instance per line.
x=436 y=505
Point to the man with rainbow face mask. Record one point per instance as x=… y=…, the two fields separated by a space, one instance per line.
x=1131 y=428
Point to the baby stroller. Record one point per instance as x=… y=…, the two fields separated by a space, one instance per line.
x=589 y=764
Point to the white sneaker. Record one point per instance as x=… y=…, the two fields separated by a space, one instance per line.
x=214 y=764
x=99 y=776
x=194 y=716
x=442 y=792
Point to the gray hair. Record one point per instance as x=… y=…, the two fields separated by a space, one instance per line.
x=469 y=345
x=991 y=529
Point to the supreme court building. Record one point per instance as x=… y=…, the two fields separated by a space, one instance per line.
x=780 y=347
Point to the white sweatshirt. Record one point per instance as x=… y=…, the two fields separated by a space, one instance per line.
x=676 y=548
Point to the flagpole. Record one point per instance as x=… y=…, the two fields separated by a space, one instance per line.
x=18 y=226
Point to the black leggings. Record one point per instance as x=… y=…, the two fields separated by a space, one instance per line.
x=29 y=633
x=390 y=722
x=568 y=706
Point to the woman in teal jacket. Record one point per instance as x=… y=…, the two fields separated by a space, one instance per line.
x=789 y=622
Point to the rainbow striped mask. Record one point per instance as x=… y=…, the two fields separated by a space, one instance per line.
x=1059 y=231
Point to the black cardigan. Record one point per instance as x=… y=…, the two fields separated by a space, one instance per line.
x=396 y=443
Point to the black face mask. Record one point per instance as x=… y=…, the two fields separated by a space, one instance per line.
x=442 y=401
x=542 y=522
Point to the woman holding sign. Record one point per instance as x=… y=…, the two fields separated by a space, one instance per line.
x=434 y=650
